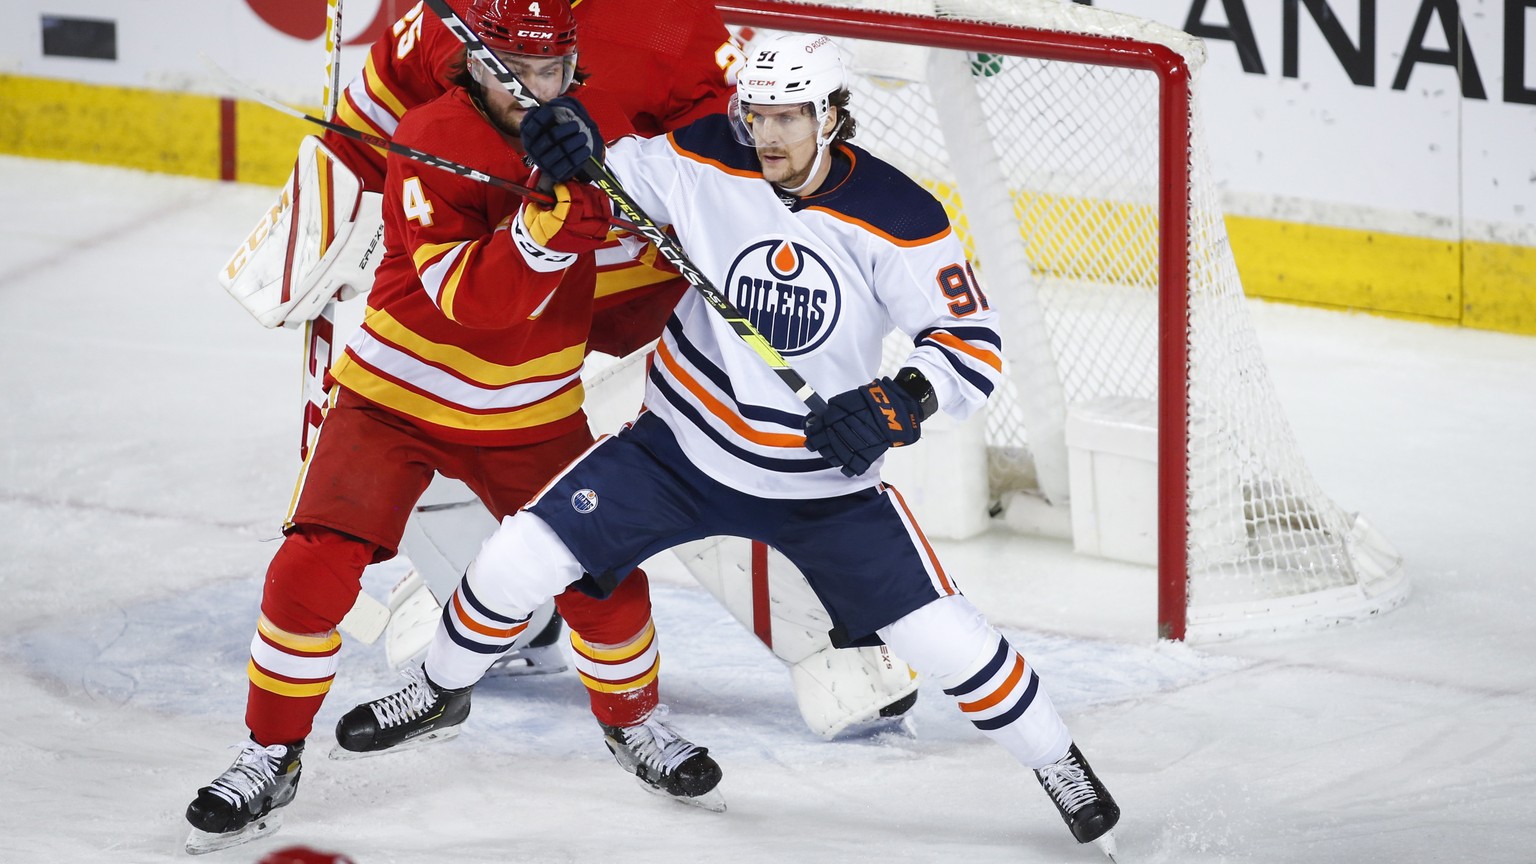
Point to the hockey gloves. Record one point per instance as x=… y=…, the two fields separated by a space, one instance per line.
x=578 y=221
x=861 y=424
x=560 y=137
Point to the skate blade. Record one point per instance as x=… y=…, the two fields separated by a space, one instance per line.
x=203 y=842
x=1106 y=844
x=543 y=660
x=712 y=800
x=341 y=754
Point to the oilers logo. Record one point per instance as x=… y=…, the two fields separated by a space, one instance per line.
x=787 y=292
x=584 y=500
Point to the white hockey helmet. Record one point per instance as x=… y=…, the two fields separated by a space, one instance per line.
x=789 y=69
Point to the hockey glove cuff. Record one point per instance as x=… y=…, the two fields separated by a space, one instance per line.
x=559 y=136
x=578 y=221
x=861 y=424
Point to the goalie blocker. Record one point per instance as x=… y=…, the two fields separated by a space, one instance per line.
x=321 y=240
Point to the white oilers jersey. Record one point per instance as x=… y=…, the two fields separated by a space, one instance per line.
x=825 y=279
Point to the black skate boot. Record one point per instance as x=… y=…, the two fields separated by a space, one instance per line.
x=1084 y=803
x=242 y=803
x=417 y=714
x=666 y=763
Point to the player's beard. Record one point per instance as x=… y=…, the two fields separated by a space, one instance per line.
x=509 y=121
x=791 y=176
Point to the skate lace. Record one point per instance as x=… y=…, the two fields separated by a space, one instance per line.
x=254 y=768
x=406 y=705
x=1067 y=782
x=656 y=745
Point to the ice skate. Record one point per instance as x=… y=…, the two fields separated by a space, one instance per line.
x=666 y=763
x=417 y=714
x=243 y=803
x=1084 y=803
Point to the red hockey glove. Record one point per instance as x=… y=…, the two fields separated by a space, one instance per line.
x=577 y=223
x=861 y=424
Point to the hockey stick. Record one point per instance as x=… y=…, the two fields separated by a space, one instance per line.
x=411 y=153
x=367 y=618
x=320 y=332
x=644 y=225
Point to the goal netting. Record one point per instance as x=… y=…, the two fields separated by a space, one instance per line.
x=1065 y=142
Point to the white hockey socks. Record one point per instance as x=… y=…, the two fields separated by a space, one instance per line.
x=951 y=643
x=519 y=568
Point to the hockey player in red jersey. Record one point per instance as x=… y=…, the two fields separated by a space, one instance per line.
x=667 y=63
x=826 y=249
x=468 y=363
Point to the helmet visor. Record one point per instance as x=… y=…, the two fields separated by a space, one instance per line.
x=545 y=77
x=772 y=125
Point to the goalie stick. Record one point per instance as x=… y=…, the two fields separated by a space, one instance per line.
x=643 y=224
x=320 y=332
x=367 y=618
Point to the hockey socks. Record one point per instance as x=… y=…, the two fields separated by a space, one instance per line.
x=290 y=675
x=993 y=685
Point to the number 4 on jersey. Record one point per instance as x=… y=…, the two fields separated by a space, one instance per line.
x=413 y=201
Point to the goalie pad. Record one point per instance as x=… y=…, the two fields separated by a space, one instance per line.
x=837 y=689
x=321 y=240
x=850 y=690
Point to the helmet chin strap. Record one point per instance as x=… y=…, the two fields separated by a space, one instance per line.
x=821 y=151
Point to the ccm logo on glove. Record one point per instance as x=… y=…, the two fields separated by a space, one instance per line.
x=861 y=424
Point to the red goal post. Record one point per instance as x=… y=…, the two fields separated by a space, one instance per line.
x=1244 y=539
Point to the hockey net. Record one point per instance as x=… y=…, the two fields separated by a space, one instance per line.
x=1066 y=144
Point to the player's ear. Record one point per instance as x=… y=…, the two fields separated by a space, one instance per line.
x=830 y=122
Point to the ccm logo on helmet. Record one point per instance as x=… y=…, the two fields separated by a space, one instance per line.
x=537 y=34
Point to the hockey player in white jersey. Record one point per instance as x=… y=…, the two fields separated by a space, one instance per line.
x=825 y=249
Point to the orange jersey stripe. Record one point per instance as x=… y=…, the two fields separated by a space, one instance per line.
x=719 y=409
x=952 y=341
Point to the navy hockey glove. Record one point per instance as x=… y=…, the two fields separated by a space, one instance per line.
x=861 y=424
x=560 y=137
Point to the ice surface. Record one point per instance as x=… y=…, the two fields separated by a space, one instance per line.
x=148 y=431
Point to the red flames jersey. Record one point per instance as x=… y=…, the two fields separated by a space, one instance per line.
x=667 y=62
x=461 y=336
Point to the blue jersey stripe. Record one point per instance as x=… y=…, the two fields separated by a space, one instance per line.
x=767 y=463
x=707 y=369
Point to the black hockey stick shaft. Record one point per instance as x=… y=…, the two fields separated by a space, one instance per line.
x=643 y=224
x=412 y=153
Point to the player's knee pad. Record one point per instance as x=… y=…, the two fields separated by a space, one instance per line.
x=521 y=566
x=614 y=620
x=946 y=640
x=313 y=579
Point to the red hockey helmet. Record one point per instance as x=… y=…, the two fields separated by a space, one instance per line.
x=303 y=855
x=537 y=27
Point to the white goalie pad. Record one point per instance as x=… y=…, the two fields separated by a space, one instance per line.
x=837 y=689
x=321 y=240
x=851 y=689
